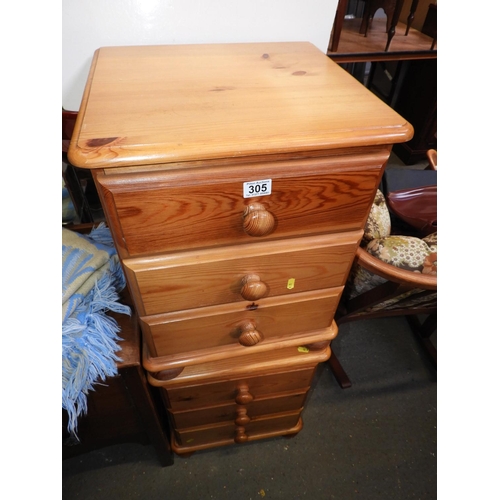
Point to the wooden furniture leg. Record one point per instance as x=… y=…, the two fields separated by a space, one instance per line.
x=365 y=22
x=136 y=382
x=430 y=25
x=371 y=7
x=338 y=372
x=423 y=331
x=337 y=26
x=392 y=9
x=411 y=16
x=394 y=23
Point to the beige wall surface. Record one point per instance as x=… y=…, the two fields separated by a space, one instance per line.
x=90 y=24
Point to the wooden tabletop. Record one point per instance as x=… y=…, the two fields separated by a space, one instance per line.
x=162 y=104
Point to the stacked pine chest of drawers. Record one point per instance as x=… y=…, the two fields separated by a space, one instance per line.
x=236 y=180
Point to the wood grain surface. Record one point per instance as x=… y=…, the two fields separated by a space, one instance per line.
x=154 y=104
x=165 y=210
x=173 y=282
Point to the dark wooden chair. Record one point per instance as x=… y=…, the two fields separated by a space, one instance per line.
x=377 y=288
x=391 y=8
x=391 y=299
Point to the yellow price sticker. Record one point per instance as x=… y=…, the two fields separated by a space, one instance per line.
x=303 y=349
x=291 y=283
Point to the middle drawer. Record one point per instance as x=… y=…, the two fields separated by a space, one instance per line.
x=182 y=335
x=192 y=279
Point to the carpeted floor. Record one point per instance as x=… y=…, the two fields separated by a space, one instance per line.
x=374 y=440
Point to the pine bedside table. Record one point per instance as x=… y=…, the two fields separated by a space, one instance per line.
x=236 y=180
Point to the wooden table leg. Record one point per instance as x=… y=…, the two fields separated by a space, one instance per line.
x=411 y=16
x=394 y=23
x=338 y=372
x=338 y=23
x=140 y=391
x=423 y=331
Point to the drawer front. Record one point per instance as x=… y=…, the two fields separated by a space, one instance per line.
x=269 y=320
x=230 y=432
x=173 y=210
x=238 y=414
x=191 y=279
x=241 y=391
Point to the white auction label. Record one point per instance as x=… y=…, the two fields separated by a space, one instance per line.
x=257 y=188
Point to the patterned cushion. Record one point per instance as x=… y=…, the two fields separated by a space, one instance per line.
x=378 y=224
x=405 y=252
x=361 y=280
x=432 y=241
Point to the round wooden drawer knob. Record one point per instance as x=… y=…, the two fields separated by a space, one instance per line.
x=257 y=221
x=242 y=418
x=240 y=437
x=249 y=335
x=243 y=397
x=253 y=288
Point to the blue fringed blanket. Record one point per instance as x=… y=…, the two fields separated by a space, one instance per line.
x=92 y=277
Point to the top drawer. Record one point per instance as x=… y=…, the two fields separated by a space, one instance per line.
x=170 y=210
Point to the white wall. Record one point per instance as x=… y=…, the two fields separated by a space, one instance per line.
x=90 y=24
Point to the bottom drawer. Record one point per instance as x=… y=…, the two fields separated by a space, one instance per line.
x=227 y=401
x=239 y=414
x=227 y=433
